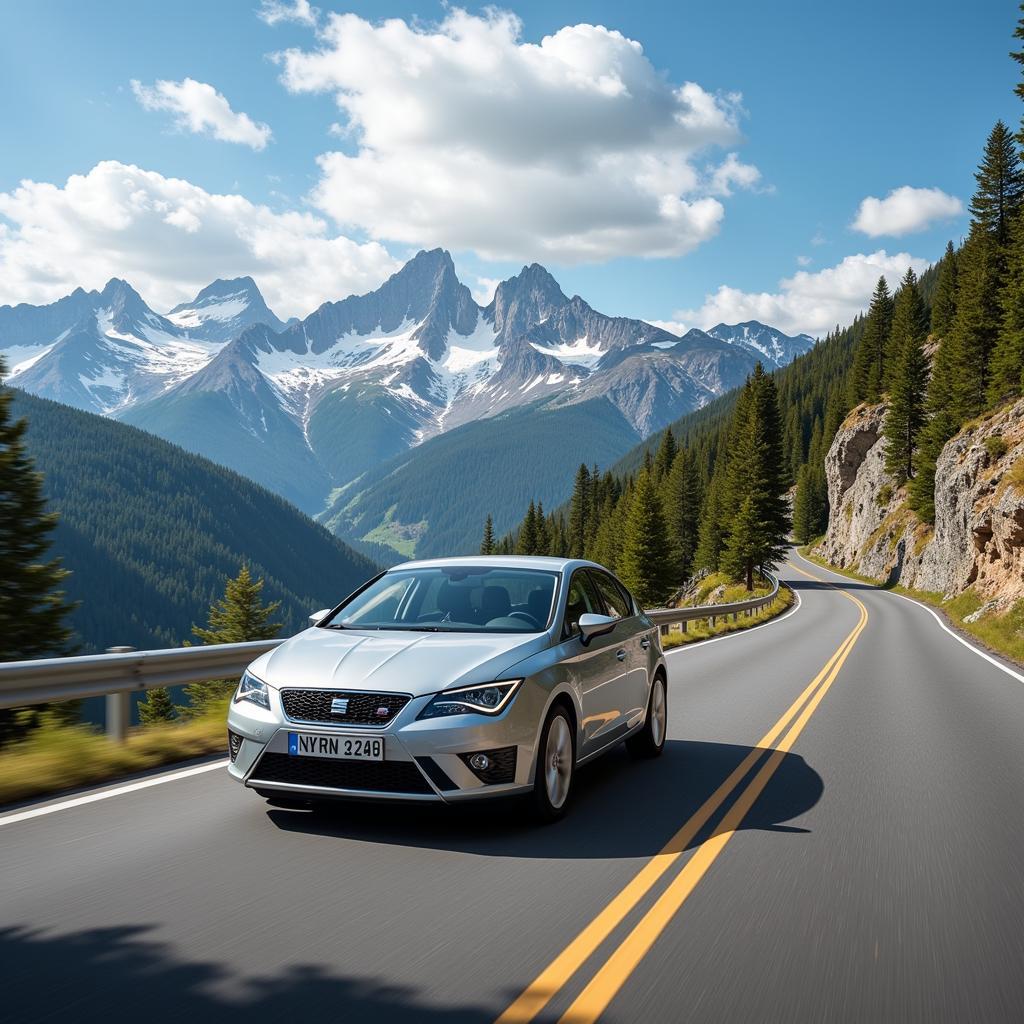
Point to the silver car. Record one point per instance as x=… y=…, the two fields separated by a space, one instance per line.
x=453 y=680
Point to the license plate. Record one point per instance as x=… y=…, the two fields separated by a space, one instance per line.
x=349 y=748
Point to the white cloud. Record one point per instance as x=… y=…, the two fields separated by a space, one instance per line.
x=485 y=289
x=810 y=303
x=199 y=108
x=732 y=173
x=904 y=211
x=275 y=11
x=169 y=238
x=572 y=149
x=804 y=261
x=672 y=326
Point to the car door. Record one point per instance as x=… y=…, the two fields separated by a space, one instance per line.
x=598 y=671
x=630 y=637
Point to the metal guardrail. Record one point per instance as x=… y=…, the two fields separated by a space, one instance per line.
x=665 y=617
x=123 y=671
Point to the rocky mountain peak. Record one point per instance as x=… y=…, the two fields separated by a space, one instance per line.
x=523 y=301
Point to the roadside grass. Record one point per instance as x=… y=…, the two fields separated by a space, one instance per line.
x=703 y=630
x=1003 y=634
x=57 y=757
x=733 y=591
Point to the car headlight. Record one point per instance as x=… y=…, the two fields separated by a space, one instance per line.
x=488 y=699
x=254 y=690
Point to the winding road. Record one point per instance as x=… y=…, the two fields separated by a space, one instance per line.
x=834 y=833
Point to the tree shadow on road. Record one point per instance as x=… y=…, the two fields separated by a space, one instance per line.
x=622 y=808
x=120 y=974
x=801 y=584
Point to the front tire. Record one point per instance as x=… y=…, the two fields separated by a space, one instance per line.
x=556 y=767
x=650 y=740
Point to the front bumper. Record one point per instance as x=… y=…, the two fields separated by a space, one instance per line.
x=424 y=760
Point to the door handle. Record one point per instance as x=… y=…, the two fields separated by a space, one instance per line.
x=620 y=654
x=645 y=643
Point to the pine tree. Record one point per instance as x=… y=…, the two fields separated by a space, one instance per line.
x=975 y=329
x=543 y=536
x=809 y=504
x=908 y=379
x=487 y=543
x=526 y=542
x=238 y=616
x=869 y=362
x=1007 y=361
x=579 y=512
x=157 y=707
x=1000 y=186
x=681 y=501
x=665 y=457
x=711 y=535
x=757 y=474
x=33 y=612
x=944 y=299
x=1018 y=56
x=643 y=566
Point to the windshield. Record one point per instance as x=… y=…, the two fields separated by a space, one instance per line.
x=453 y=599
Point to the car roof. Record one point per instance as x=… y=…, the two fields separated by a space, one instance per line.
x=501 y=561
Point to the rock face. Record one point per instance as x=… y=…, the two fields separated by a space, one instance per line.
x=978 y=538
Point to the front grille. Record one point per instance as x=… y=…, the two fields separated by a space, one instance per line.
x=360 y=708
x=379 y=776
x=501 y=769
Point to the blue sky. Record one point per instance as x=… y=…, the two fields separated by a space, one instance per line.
x=839 y=103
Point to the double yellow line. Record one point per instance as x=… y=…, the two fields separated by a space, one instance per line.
x=612 y=975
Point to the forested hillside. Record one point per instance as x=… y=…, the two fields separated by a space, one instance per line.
x=150 y=532
x=493 y=465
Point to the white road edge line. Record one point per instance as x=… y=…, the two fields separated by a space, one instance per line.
x=736 y=634
x=91 y=798
x=937 y=617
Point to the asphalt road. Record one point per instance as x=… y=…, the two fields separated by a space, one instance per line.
x=835 y=833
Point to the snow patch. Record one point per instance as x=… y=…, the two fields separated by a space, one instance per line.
x=578 y=353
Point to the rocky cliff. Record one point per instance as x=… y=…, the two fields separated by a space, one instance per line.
x=978 y=537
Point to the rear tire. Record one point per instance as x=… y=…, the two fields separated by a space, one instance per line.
x=650 y=740
x=555 y=769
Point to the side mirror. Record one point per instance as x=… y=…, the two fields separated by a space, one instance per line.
x=317 y=616
x=592 y=625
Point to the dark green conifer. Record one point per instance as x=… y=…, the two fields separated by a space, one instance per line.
x=908 y=379
x=238 y=616
x=33 y=611
x=869 y=361
x=579 y=512
x=487 y=543
x=526 y=541
x=643 y=565
x=944 y=299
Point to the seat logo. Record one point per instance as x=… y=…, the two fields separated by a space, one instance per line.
x=339 y=706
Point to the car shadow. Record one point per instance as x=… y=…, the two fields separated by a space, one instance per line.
x=621 y=808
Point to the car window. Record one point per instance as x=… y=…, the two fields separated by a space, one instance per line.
x=453 y=599
x=581 y=599
x=615 y=602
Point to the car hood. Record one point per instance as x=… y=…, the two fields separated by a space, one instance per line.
x=393 y=661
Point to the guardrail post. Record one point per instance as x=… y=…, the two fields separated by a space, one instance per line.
x=119 y=707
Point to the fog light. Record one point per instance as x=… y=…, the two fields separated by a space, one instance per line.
x=234 y=744
x=492 y=767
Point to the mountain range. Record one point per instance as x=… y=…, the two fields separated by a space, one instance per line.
x=325 y=411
